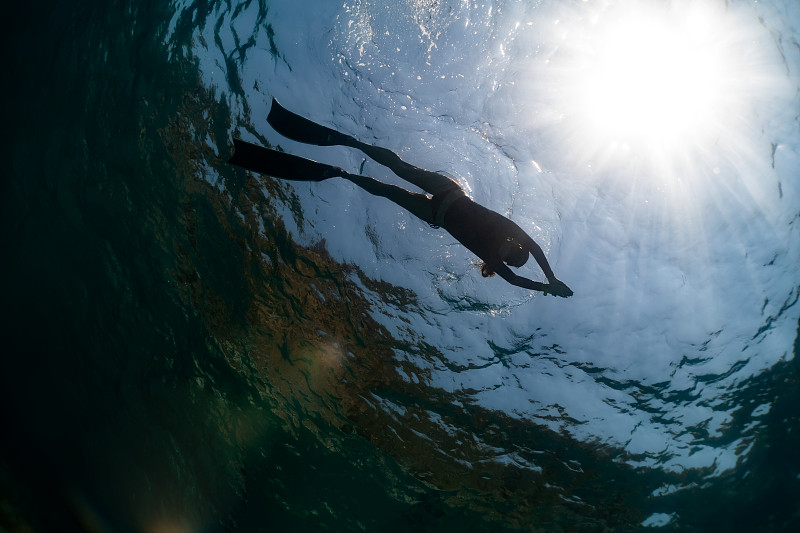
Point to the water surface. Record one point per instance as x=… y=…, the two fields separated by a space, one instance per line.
x=194 y=348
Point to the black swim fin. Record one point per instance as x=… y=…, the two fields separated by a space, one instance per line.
x=301 y=129
x=280 y=164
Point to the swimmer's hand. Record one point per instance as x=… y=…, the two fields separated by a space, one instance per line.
x=557 y=287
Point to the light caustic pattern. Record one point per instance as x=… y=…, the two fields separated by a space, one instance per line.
x=645 y=145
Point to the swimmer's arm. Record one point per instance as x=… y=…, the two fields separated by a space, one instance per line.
x=538 y=254
x=555 y=285
x=519 y=281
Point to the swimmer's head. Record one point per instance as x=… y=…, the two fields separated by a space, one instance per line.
x=513 y=254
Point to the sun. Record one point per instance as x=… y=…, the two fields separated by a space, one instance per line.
x=658 y=79
x=655 y=78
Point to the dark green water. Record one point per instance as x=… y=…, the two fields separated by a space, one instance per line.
x=158 y=373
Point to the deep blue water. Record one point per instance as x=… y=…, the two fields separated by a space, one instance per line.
x=177 y=356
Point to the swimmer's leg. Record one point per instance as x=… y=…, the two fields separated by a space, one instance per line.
x=303 y=130
x=292 y=167
x=431 y=182
x=418 y=204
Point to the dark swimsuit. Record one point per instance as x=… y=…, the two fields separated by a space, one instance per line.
x=442 y=201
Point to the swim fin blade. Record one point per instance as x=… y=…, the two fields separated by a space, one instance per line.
x=280 y=164
x=301 y=129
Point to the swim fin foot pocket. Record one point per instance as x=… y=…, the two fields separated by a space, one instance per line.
x=301 y=129
x=280 y=164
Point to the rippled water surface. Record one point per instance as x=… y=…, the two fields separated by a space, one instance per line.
x=190 y=347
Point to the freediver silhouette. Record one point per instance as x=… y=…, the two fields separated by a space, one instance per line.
x=498 y=241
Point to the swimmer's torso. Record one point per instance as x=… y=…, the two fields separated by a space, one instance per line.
x=479 y=229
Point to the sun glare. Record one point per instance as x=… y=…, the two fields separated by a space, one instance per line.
x=652 y=78
x=657 y=78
